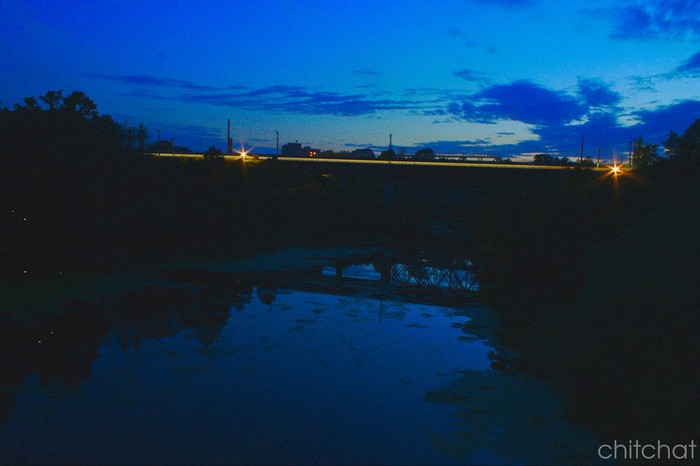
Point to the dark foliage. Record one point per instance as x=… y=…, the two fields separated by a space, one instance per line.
x=596 y=281
x=77 y=193
x=425 y=154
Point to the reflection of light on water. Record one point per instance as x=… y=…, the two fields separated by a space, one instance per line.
x=421 y=274
x=280 y=375
x=361 y=271
x=432 y=277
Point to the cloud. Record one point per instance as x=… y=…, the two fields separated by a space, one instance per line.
x=602 y=130
x=596 y=94
x=471 y=75
x=281 y=98
x=146 y=80
x=559 y=120
x=643 y=83
x=366 y=72
x=296 y=99
x=520 y=101
x=691 y=65
x=655 y=19
x=454 y=147
x=655 y=124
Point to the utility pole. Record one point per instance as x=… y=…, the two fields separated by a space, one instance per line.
x=229 y=141
x=597 y=163
x=580 y=157
x=277 y=151
x=390 y=144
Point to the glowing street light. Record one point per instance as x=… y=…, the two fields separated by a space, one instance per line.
x=243 y=153
x=616 y=170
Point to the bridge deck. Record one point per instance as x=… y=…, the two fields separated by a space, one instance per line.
x=491 y=165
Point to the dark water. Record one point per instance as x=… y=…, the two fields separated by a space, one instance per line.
x=332 y=356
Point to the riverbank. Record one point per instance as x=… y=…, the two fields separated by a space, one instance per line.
x=597 y=285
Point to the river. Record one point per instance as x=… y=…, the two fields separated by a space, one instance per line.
x=353 y=355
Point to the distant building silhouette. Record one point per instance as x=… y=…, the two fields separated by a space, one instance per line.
x=294 y=149
x=366 y=153
x=291 y=149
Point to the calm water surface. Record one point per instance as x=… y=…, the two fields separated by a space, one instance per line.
x=279 y=359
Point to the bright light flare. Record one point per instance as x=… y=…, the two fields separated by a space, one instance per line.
x=243 y=153
x=615 y=169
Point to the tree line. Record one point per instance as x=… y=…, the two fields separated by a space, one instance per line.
x=78 y=192
x=595 y=279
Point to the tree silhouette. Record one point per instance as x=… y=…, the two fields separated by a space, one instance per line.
x=388 y=154
x=79 y=103
x=53 y=99
x=425 y=154
x=671 y=144
x=643 y=154
x=213 y=151
x=542 y=159
x=142 y=137
x=689 y=144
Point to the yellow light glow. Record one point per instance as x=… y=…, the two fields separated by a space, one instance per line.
x=615 y=169
x=243 y=153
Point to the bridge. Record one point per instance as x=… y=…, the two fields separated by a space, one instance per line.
x=464 y=164
x=383 y=277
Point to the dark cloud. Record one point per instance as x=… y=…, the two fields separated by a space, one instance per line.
x=656 y=123
x=596 y=94
x=643 y=83
x=520 y=101
x=295 y=99
x=471 y=75
x=366 y=72
x=656 y=19
x=457 y=147
x=145 y=80
x=560 y=120
x=691 y=65
x=602 y=130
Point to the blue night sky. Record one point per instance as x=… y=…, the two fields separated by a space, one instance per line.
x=509 y=77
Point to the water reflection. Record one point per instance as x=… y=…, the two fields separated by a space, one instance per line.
x=310 y=366
x=453 y=275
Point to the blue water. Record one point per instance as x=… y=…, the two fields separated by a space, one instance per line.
x=290 y=376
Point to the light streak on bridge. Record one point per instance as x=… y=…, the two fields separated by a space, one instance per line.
x=493 y=165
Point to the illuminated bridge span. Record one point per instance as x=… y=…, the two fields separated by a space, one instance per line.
x=468 y=157
x=398 y=163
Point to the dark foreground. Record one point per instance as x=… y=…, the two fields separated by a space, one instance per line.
x=303 y=356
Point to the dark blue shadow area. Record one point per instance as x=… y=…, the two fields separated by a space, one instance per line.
x=326 y=365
